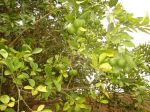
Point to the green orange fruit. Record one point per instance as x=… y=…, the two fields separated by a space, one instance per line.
x=113 y=61
x=73 y=72
x=79 y=23
x=127 y=69
x=121 y=62
x=71 y=29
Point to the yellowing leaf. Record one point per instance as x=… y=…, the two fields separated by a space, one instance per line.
x=41 y=88
x=4 y=53
x=37 y=50
x=104 y=101
x=11 y=104
x=82 y=29
x=40 y=108
x=105 y=67
x=7 y=72
x=80 y=2
x=47 y=110
x=34 y=92
x=82 y=106
x=28 y=87
x=12 y=99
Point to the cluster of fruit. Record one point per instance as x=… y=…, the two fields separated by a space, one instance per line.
x=76 y=27
x=122 y=62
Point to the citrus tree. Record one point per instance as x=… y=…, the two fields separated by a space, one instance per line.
x=71 y=56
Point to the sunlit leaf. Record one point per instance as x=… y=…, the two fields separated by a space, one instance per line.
x=4 y=53
x=3 y=107
x=28 y=87
x=66 y=106
x=104 y=101
x=31 y=82
x=37 y=50
x=105 y=67
x=41 y=88
x=40 y=108
x=4 y=99
x=11 y=104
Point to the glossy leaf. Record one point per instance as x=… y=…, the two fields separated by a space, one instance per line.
x=40 y=108
x=41 y=88
x=4 y=99
x=37 y=50
x=4 y=53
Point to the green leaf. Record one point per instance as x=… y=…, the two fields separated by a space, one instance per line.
x=128 y=44
x=48 y=70
x=10 y=110
x=3 y=107
x=82 y=29
x=28 y=87
x=4 y=53
x=41 y=88
x=80 y=99
x=37 y=50
x=65 y=75
x=40 y=108
x=94 y=60
x=66 y=106
x=77 y=108
x=26 y=47
x=104 y=101
x=98 y=84
x=5 y=99
x=110 y=27
x=31 y=82
x=23 y=76
x=102 y=57
x=58 y=85
x=124 y=36
x=83 y=106
x=34 y=65
x=7 y=72
x=17 y=81
x=112 y=2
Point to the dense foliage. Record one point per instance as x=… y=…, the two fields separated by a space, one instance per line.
x=59 y=55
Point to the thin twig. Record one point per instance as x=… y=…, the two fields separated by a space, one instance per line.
x=26 y=91
x=1 y=81
x=36 y=22
x=69 y=82
x=26 y=105
x=18 y=107
x=76 y=88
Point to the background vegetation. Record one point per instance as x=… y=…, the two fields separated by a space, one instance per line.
x=57 y=56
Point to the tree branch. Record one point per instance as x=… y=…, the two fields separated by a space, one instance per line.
x=26 y=29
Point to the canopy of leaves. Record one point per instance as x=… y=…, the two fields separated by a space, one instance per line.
x=58 y=55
